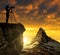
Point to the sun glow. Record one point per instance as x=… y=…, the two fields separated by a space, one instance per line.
x=28 y=35
x=25 y=40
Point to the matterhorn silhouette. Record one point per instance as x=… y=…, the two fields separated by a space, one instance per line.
x=46 y=45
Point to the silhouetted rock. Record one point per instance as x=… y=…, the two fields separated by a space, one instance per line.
x=11 y=38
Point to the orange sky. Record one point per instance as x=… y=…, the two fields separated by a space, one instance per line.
x=35 y=14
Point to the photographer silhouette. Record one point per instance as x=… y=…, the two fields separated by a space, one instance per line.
x=8 y=10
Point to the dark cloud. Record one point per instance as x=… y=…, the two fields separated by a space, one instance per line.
x=3 y=3
x=41 y=8
x=23 y=2
x=53 y=9
x=45 y=9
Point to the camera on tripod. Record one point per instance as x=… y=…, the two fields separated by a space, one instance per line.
x=12 y=7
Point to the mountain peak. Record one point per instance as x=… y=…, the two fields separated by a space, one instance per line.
x=46 y=44
x=42 y=34
x=44 y=37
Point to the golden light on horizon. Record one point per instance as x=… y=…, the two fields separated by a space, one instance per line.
x=26 y=41
x=30 y=33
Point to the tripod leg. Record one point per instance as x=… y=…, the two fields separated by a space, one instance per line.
x=14 y=17
x=11 y=17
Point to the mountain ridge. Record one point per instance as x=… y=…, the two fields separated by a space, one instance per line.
x=47 y=45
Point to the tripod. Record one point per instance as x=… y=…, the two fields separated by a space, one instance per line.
x=13 y=16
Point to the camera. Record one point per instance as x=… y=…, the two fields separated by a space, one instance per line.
x=12 y=7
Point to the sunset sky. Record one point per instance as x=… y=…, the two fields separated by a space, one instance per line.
x=34 y=14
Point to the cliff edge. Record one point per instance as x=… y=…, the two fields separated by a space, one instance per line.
x=11 y=38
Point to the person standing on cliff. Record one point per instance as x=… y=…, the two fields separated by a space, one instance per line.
x=7 y=12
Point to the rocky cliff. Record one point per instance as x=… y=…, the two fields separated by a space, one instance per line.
x=11 y=38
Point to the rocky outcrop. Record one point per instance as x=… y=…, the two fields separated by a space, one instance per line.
x=11 y=38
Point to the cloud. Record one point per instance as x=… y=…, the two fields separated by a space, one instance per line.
x=35 y=11
x=31 y=6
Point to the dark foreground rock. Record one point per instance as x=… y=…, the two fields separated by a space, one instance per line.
x=11 y=38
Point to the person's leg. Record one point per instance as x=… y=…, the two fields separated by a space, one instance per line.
x=7 y=17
